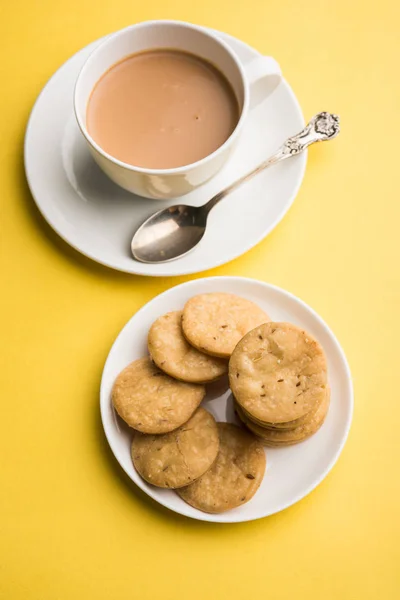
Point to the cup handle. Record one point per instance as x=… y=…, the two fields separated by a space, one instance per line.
x=263 y=76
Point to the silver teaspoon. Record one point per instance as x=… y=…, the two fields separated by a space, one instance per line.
x=174 y=231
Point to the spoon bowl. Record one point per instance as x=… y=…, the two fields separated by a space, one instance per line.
x=169 y=233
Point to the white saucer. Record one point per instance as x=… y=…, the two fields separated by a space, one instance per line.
x=292 y=472
x=98 y=218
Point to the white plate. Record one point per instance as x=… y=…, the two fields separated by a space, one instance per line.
x=98 y=218
x=292 y=472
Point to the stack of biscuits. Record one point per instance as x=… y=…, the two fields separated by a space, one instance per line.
x=278 y=378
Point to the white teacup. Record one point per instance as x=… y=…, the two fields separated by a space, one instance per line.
x=170 y=183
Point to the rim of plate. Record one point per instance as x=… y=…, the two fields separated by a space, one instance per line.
x=167 y=273
x=213 y=518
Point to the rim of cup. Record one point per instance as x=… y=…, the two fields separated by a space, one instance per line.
x=176 y=170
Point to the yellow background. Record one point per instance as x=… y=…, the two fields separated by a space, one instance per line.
x=72 y=526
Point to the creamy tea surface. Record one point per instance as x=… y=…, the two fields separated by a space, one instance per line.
x=161 y=109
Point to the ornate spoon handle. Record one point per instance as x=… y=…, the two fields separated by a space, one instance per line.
x=323 y=126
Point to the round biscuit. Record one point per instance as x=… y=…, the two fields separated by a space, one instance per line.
x=214 y=323
x=174 y=459
x=152 y=402
x=176 y=357
x=234 y=477
x=278 y=373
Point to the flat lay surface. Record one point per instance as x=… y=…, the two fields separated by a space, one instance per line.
x=72 y=524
